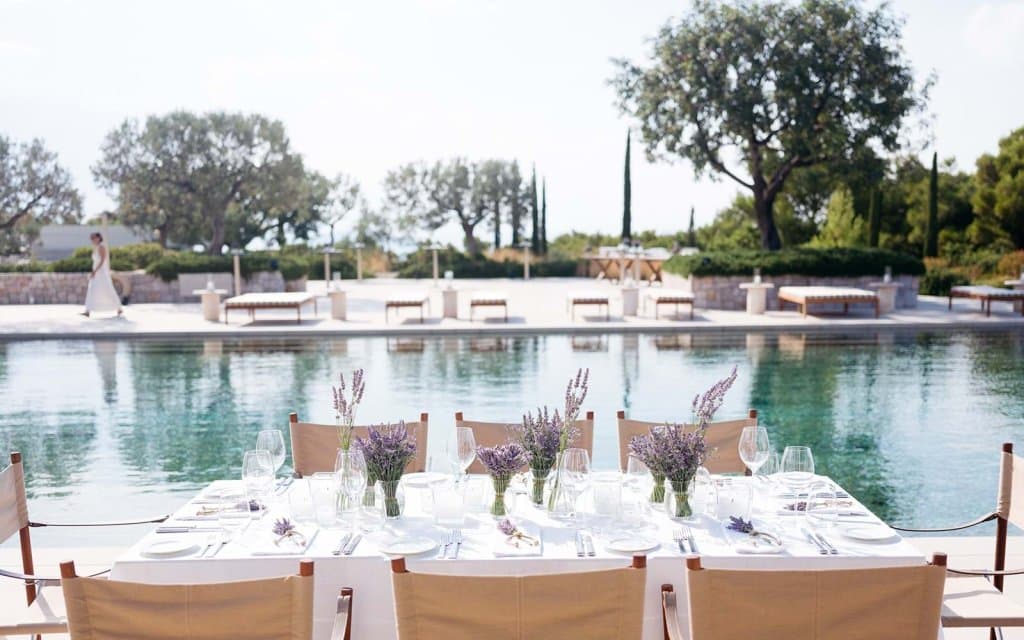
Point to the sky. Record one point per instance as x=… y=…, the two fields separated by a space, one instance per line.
x=363 y=87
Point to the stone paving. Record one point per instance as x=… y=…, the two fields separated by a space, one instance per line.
x=535 y=306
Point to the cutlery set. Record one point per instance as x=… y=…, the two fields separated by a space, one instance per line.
x=821 y=542
x=451 y=545
x=347 y=544
x=683 y=537
x=584 y=545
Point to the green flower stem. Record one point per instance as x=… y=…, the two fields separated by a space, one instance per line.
x=392 y=507
x=658 y=492
x=500 y=487
x=681 y=499
x=540 y=478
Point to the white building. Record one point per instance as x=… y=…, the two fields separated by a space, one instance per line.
x=58 y=241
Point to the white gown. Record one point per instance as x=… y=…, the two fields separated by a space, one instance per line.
x=101 y=295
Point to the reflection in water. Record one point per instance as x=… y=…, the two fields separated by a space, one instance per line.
x=911 y=423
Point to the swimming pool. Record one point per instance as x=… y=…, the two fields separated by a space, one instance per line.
x=909 y=422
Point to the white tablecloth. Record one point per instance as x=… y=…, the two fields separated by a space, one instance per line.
x=368 y=572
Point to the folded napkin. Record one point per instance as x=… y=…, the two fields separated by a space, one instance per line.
x=264 y=542
x=503 y=546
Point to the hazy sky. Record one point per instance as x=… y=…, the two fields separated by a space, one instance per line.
x=363 y=86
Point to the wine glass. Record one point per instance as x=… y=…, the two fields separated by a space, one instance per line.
x=462 y=449
x=797 y=468
x=754 y=447
x=257 y=473
x=574 y=468
x=350 y=467
x=272 y=441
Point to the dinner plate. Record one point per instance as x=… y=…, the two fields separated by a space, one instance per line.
x=408 y=546
x=169 y=547
x=632 y=544
x=423 y=479
x=868 y=532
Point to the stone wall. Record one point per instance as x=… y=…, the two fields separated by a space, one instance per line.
x=723 y=292
x=140 y=287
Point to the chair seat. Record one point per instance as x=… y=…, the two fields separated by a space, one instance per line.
x=45 y=615
x=974 y=602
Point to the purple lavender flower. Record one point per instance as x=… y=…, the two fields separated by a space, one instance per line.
x=705 y=406
x=540 y=437
x=387 y=449
x=502 y=460
x=671 y=451
x=283 y=527
x=575 y=394
x=740 y=525
x=345 y=406
x=505 y=526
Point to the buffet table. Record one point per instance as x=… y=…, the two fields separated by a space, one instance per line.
x=367 y=570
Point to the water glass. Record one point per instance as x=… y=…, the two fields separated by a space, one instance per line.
x=754 y=447
x=323 y=489
x=607 y=490
x=704 y=494
x=350 y=468
x=574 y=474
x=300 y=502
x=449 y=505
x=462 y=449
x=797 y=468
x=821 y=507
x=272 y=441
x=734 y=500
x=257 y=474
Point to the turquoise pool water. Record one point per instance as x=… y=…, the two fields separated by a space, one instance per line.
x=909 y=422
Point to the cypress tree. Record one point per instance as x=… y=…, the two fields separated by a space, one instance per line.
x=544 y=216
x=931 y=235
x=627 y=197
x=874 y=217
x=534 y=212
x=691 y=232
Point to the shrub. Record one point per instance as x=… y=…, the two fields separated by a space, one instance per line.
x=420 y=265
x=837 y=262
x=938 y=281
x=1012 y=264
x=23 y=267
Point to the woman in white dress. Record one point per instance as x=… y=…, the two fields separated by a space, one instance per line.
x=101 y=295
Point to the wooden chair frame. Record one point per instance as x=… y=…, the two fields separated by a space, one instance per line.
x=490 y=428
x=418 y=463
x=624 y=453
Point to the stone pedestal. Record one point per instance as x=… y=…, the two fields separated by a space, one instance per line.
x=450 y=302
x=339 y=304
x=757 y=296
x=1016 y=285
x=886 y=296
x=630 y=301
x=210 y=299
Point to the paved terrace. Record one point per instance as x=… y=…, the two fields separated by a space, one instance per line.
x=536 y=306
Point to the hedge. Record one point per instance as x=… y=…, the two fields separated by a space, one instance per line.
x=420 y=265
x=844 y=262
x=938 y=281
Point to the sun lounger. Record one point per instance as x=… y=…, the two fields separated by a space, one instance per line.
x=805 y=296
x=986 y=295
x=587 y=298
x=658 y=297
x=253 y=301
x=411 y=299
x=488 y=299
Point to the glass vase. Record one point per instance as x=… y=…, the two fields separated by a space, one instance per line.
x=677 y=500
x=658 y=490
x=392 y=497
x=370 y=494
x=540 y=478
x=498 y=509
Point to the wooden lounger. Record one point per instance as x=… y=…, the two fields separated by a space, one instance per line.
x=805 y=296
x=406 y=300
x=669 y=296
x=588 y=298
x=253 y=301
x=488 y=299
x=986 y=294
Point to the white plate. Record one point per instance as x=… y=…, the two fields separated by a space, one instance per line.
x=169 y=547
x=227 y=492
x=632 y=544
x=408 y=546
x=423 y=479
x=868 y=532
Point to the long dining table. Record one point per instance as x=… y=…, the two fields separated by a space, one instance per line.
x=367 y=570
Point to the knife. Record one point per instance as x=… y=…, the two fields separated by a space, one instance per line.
x=828 y=545
x=187 y=529
x=579 y=545
x=693 y=545
x=588 y=542
x=352 y=544
x=821 y=548
x=341 y=544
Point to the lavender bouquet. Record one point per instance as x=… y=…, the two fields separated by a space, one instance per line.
x=541 y=438
x=345 y=405
x=674 y=452
x=387 y=449
x=575 y=394
x=502 y=462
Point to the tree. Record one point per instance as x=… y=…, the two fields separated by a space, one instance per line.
x=999 y=196
x=691 y=231
x=842 y=226
x=544 y=217
x=184 y=174
x=516 y=196
x=780 y=85
x=931 y=234
x=874 y=218
x=488 y=193
x=627 y=213
x=732 y=229
x=534 y=212
x=35 y=190
x=293 y=204
x=345 y=197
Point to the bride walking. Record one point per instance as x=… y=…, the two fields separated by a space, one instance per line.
x=101 y=295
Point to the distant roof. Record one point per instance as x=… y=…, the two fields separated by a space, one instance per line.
x=58 y=241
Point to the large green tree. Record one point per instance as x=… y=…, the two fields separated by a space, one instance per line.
x=429 y=196
x=187 y=175
x=999 y=197
x=755 y=91
x=35 y=190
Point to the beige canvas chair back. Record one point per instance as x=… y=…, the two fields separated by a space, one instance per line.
x=315 y=446
x=13 y=505
x=849 y=604
x=489 y=434
x=598 y=605
x=273 y=609
x=723 y=437
x=1010 y=503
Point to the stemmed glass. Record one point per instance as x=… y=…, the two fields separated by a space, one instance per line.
x=462 y=450
x=257 y=473
x=350 y=467
x=272 y=441
x=575 y=474
x=797 y=468
x=754 y=447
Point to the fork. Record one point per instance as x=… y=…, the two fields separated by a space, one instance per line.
x=688 y=534
x=456 y=542
x=447 y=543
x=680 y=539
